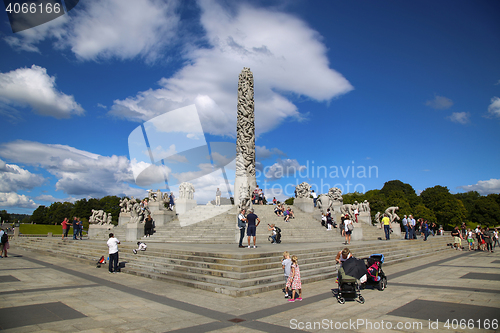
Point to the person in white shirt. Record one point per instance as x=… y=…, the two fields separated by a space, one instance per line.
x=113 y=253
x=348 y=232
x=140 y=247
x=218 y=194
x=315 y=197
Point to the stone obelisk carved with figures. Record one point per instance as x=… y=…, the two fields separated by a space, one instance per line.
x=245 y=138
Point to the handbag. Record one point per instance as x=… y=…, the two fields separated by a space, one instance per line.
x=350 y=227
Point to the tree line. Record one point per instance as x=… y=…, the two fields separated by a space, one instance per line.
x=435 y=204
x=57 y=211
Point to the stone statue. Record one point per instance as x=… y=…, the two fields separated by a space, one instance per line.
x=109 y=219
x=326 y=201
x=154 y=196
x=130 y=204
x=391 y=213
x=186 y=191
x=377 y=217
x=151 y=196
x=336 y=194
x=138 y=213
x=124 y=205
x=191 y=192
x=303 y=190
x=99 y=217
x=244 y=199
x=134 y=213
x=365 y=206
x=245 y=133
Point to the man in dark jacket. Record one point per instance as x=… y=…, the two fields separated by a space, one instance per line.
x=75 y=228
x=488 y=237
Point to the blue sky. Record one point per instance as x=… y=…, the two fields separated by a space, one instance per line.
x=394 y=89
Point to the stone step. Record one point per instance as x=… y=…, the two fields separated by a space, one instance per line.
x=240 y=273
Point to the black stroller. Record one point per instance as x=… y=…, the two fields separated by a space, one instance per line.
x=348 y=275
x=376 y=276
x=278 y=235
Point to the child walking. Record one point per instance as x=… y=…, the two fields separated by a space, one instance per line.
x=286 y=263
x=293 y=281
x=470 y=240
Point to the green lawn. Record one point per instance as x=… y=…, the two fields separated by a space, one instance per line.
x=42 y=229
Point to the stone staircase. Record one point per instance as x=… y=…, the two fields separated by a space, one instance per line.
x=201 y=213
x=225 y=268
x=210 y=224
x=218 y=225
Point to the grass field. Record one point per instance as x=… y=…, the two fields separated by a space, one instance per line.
x=42 y=229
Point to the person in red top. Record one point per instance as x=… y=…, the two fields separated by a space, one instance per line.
x=65 y=227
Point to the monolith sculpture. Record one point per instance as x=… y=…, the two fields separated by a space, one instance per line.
x=245 y=137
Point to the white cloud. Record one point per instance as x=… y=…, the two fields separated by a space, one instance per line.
x=122 y=29
x=16 y=200
x=483 y=187
x=283 y=168
x=14 y=178
x=440 y=103
x=79 y=173
x=284 y=54
x=262 y=153
x=276 y=192
x=460 y=117
x=494 y=108
x=33 y=87
x=51 y=198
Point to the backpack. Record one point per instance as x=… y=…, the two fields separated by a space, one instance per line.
x=5 y=238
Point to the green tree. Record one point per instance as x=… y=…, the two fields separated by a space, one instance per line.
x=5 y=216
x=449 y=211
x=486 y=211
x=38 y=215
x=432 y=196
x=289 y=201
x=81 y=209
x=111 y=205
x=469 y=200
x=396 y=188
x=425 y=213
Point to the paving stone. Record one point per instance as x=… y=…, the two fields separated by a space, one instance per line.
x=428 y=277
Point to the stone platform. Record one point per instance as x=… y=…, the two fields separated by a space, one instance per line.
x=227 y=269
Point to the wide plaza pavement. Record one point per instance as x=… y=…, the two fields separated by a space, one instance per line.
x=42 y=293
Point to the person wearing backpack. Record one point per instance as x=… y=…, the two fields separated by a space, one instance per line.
x=4 y=239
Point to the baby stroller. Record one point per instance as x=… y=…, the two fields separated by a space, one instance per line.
x=376 y=276
x=278 y=235
x=349 y=273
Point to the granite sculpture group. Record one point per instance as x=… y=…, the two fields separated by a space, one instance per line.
x=100 y=217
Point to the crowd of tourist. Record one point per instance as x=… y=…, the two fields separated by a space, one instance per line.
x=479 y=239
x=258 y=196
x=286 y=213
x=421 y=227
